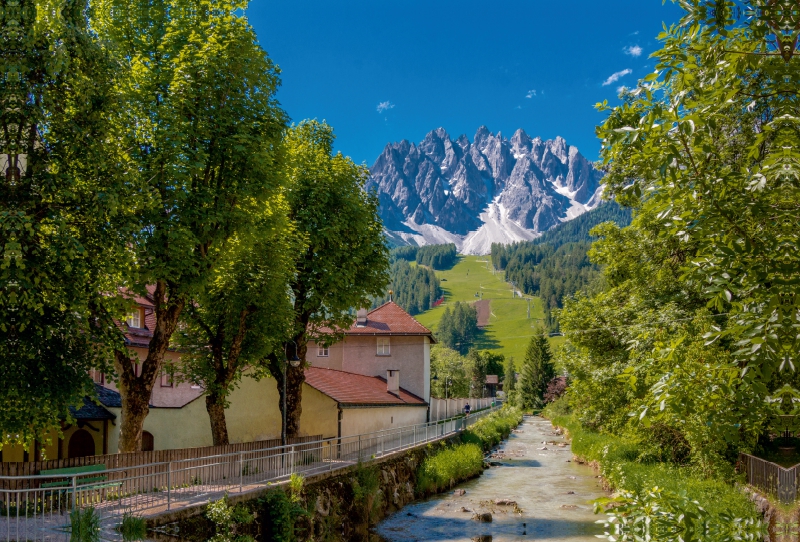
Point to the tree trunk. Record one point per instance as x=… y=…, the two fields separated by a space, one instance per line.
x=295 y=376
x=216 y=413
x=137 y=390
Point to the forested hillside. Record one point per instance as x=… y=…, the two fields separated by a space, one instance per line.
x=415 y=289
x=556 y=265
x=434 y=256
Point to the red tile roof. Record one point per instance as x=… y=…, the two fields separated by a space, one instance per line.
x=355 y=389
x=389 y=319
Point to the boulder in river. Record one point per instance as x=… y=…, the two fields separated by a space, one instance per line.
x=460 y=492
x=504 y=502
x=485 y=517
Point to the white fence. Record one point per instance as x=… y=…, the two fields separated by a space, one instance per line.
x=444 y=408
x=38 y=507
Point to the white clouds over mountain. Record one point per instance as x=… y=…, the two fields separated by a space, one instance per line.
x=383 y=106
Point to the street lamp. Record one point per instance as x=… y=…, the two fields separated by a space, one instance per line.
x=294 y=361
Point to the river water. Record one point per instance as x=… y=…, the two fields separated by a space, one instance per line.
x=553 y=497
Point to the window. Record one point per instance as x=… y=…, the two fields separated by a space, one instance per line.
x=135 y=319
x=322 y=351
x=98 y=377
x=383 y=346
x=166 y=380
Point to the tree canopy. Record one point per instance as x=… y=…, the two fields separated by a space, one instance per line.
x=345 y=260
x=203 y=135
x=64 y=210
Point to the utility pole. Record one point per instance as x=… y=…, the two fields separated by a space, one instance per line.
x=529 y=308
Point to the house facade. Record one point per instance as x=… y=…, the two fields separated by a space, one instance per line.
x=377 y=377
x=384 y=339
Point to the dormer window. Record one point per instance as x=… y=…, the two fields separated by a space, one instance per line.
x=383 y=346
x=135 y=319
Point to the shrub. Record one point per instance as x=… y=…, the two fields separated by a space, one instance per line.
x=84 y=525
x=366 y=492
x=555 y=389
x=228 y=519
x=492 y=429
x=448 y=467
x=626 y=468
x=279 y=514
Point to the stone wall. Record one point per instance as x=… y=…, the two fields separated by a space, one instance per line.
x=337 y=506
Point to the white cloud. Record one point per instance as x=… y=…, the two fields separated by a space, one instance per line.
x=614 y=77
x=518 y=107
x=531 y=94
x=621 y=89
x=383 y=106
x=632 y=50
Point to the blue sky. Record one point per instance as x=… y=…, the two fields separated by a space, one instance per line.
x=382 y=71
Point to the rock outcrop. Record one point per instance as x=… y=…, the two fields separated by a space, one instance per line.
x=476 y=193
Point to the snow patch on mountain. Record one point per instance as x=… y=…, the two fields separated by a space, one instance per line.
x=473 y=194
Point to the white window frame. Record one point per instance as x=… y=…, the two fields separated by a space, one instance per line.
x=323 y=351
x=134 y=319
x=384 y=346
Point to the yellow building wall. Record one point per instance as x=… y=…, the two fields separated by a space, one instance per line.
x=357 y=421
x=186 y=427
x=253 y=414
x=320 y=414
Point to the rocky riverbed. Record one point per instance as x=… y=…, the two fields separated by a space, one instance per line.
x=533 y=491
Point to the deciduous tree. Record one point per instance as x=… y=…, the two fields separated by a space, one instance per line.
x=63 y=213
x=243 y=314
x=203 y=131
x=345 y=260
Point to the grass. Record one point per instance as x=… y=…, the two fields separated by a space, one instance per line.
x=449 y=467
x=132 y=528
x=509 y=328
x=619 y=466
x=452 y=465
x=84 y=525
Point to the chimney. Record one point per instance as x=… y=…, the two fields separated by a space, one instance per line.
x=393 y=381
x=361 y=318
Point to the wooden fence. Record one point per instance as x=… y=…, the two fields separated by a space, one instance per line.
x=143 y=464
x=771 y=478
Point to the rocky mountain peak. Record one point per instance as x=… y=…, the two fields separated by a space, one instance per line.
x=473 y=194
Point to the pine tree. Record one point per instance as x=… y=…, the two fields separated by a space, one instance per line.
x=537 y=371
x=510 y=380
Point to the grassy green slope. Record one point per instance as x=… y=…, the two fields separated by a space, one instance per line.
x=509 y=328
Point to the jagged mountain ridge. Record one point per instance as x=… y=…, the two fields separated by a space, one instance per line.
x=490 y=190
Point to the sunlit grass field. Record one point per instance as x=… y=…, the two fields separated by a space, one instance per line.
x=509 y=328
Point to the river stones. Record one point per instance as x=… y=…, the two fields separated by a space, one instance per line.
x=485 y=517
x=505 y=502
x=460 y=492
x=482 y=538
x=569 y=507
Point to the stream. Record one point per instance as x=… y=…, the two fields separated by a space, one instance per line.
x=553 y=497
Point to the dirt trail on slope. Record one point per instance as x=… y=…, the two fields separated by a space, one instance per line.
x=484 y=307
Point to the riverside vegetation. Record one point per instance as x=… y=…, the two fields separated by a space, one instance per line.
x=344 y=507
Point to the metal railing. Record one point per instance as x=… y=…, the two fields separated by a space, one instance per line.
x=32 y=509
x=771 y=478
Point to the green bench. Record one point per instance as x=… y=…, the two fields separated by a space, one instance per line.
x=85 y=473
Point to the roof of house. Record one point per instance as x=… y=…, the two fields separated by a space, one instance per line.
x=107 y=397
x=492 y=379
x=389 y=319
x=91 y=410
x=354 y=389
